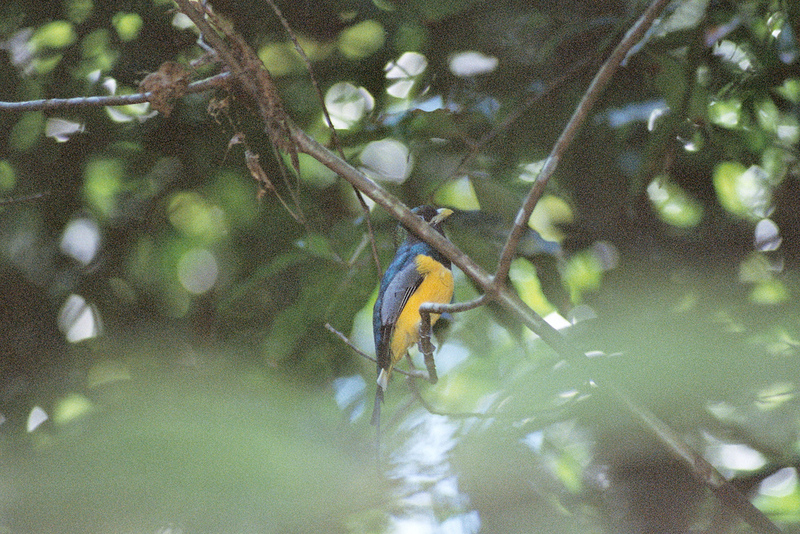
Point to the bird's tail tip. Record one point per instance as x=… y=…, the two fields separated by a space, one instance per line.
x=376 y=410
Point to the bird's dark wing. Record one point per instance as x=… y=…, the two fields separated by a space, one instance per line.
x=396 y=295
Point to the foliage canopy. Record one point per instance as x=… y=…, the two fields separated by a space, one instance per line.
x=669 y=235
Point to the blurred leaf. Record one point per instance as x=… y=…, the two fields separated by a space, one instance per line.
x=404 y=73
x=362 y=39
x=582 y=274
x=523 y=276
x=56 y=34
x=725 y=113
x=317 y=245
x=107 y=372
x=457 y=194
x=191 y=213
x=790 y=90
x=734 y=54
x=7 y=176
x=97 y=52
x=674 y=205
x=687 y=15
x=70 y=408
x=742 y=191
x=27 y=130
x=79 y=10
x=280 y=58
x=433 y=10
x=127 y=25
x=236 y=198
x=347 y=104
x=103 y=184
x=770 y=292
x=755 y=268
x=387 y=160
x=550 y=213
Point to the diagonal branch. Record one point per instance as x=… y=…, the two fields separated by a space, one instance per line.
x=334 y=134
x=598 y=85
x=247 y=69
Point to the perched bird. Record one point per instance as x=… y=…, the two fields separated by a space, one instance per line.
x=417 y=274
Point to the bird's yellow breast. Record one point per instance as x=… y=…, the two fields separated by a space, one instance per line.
x=436 y=286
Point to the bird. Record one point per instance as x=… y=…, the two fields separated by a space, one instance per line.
x=417 y=274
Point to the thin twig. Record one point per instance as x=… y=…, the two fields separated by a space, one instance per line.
x=251 y=159
x=254 y=78
x=310 y=70
x=425 y=345
x=412 y=385
x=199 y=86
x=25 y=198
x=456 y=307
x=334 y=134
x=410 y=374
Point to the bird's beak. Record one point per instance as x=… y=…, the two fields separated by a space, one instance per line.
x=441 y=215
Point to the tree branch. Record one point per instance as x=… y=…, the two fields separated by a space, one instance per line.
x=598 y=85
x=104 y=101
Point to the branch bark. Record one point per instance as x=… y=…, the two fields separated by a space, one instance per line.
x=199 y=86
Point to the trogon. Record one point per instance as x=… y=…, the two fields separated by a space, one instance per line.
x=418 y=274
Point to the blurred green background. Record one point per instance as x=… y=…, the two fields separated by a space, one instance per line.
x=164 y=365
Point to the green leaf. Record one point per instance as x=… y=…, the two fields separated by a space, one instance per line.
x=790 y=90
x=458 y=194
x=127 y=25
x=362 y=39
x=7 y=176
x=583 y=273
x=193 y=215
x=72 y=407
x=103 y=180
x=745 y=192
x=526 y=282
x=56 y=34
x=78 y=10
x=770 y=292
x=27 y=131
x=725 y=113
x=674 y=205
x=317 y=245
